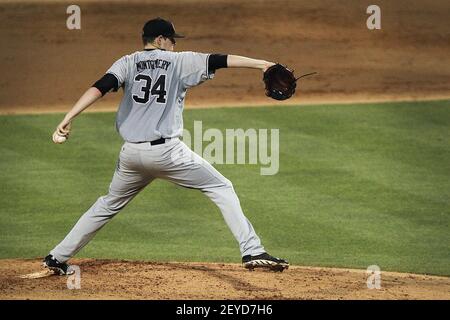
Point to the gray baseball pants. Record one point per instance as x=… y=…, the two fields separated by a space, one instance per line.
x=139 y=164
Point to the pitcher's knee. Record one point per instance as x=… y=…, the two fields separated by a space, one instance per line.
x=111 y=206
x=224 y=184
x=227 y=183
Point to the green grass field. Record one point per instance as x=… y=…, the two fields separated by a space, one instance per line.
x=358 y=185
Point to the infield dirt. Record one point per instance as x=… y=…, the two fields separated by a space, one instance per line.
x=109 y=279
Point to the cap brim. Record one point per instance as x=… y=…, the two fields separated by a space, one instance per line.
x=176 y=35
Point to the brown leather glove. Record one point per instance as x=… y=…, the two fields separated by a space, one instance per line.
x=280 y=82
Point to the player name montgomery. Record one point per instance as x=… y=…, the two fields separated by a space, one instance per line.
x=152 y=64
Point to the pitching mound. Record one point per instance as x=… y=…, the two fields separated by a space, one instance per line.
x=110 y=279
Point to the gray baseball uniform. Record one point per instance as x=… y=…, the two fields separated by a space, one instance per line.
x=155 y=84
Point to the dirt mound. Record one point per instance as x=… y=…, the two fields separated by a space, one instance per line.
x=110 y=279
x=47 y=67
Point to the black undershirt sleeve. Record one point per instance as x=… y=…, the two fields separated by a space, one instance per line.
x=106 y=83
x=217 y=61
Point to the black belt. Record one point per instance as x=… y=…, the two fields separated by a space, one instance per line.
x=155 y=142
x=159 y=141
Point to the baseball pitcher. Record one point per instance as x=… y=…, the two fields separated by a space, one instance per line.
x=154 y=81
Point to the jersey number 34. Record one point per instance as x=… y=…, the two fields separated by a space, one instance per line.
x=158 y=89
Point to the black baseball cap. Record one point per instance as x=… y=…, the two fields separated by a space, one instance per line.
x=160 y=27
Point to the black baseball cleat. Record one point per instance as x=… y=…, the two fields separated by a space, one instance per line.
x=264 y=260
x=57 y=267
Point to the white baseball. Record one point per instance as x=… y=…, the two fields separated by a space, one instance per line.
x=58 y=138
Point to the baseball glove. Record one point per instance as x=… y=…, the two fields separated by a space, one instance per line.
x=280 y=82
